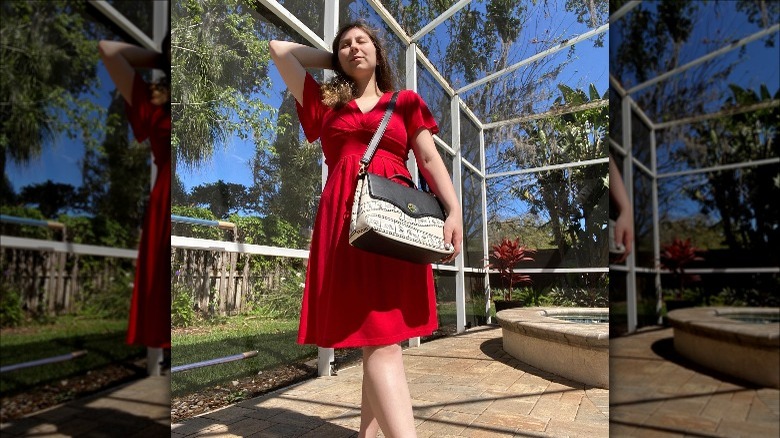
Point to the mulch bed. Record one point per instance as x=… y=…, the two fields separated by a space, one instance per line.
x=15 y=406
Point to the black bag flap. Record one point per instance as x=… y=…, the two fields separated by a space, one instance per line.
x=411 y=201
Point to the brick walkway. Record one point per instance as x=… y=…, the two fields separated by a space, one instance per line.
x=461 y=386
x=140 y=409
x=656 y=393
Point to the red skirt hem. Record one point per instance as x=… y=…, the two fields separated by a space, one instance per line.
x=372 y=342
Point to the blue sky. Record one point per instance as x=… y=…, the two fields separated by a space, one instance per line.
x=61 y=159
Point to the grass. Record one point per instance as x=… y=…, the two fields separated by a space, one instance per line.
x=104 y=340
x=274 y=339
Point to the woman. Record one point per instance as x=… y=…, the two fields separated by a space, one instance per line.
x=624 y=221
x=148 y=109
x=354 y=298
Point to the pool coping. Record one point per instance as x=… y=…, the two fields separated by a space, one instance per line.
x=713 y=322
x=540 y=322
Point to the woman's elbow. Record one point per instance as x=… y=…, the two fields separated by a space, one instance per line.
x=275 y=48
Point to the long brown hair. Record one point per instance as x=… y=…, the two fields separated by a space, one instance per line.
x=341 y=89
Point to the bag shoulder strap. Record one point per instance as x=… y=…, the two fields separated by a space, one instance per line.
x=374 y=143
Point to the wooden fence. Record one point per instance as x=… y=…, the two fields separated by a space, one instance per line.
x=222 y=282
x=50 y=282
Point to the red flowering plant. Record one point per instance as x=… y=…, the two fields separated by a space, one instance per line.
x=676 y=256
x=506 y=256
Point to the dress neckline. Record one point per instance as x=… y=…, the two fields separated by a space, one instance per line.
x=354 y=102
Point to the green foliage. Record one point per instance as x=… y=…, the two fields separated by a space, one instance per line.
x=220 y=197
x=182 y=306
x=744 y=199
x=574 y=201
x=578 y=297
x=47 y=73
x=103 y=339
x=111 y=302
x=24 y=230
x=219 y=72
x=11 y=313
x=198 y=231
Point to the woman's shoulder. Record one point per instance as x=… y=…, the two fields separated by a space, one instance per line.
x=409 y=97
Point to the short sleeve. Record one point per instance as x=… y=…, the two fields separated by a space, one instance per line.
x=417 y=116
x=312 y=112
x=140 y=112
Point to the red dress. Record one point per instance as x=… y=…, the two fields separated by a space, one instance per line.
x=354 y=298
x=150 y=308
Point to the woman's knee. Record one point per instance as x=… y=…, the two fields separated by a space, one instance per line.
x=382 y=350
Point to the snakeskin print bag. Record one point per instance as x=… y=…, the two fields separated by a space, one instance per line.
x=393 y=219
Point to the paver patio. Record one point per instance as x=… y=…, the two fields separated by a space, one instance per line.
x=654 y=392
x=461 y=386
x=139 y=409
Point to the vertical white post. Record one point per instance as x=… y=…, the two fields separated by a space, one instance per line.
x=485 y=237
x=326 y=356
x=160 y=24
x=411 y=163
x=656 y=230
x=628 y=180
x=457 y=173
x=153 y=358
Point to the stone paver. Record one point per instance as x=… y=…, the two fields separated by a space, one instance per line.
x=656 y=393
x=138 y=409
x=461 y=386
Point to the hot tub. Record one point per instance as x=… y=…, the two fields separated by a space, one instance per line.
x=743 y=342
x=572 y=342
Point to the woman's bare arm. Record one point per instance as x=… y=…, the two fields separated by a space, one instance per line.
x=292 y=60
x=624 y=225
x=121 y=60
x=438 y=178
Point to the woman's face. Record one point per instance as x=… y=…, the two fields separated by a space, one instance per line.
x=357 y=53
x=160 y=94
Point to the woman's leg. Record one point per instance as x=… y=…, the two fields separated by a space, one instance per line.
x=369 y=427
x=387 y=392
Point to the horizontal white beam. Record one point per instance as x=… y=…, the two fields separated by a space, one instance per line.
x=617 y=86
x=292 y=21
x=555 y=270
x=551 y=113
x=440 y=19
x=432 y=70
x=743 y=164
x=389 y=20
x=641 y=166
x=641 y=113
x=705 y=58
x=566 y=43
x=472 y=167
x=120 y=20
x=67 y=247
x=240 y=248
x=444 y=145
x=550 y=167
x=727 y=112
x=470 y=114
x=615 y=145
x=625 y=9
x=741 y=270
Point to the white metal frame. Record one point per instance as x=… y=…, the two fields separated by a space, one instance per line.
x=629 y=107
x=416 y=58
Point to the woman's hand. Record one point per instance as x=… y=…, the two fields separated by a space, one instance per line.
x=453 y=234
x=624 y=234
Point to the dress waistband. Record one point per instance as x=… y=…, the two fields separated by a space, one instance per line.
x=380 y=153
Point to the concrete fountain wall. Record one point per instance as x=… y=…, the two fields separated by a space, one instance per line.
x=573 y=350
x=710 y=337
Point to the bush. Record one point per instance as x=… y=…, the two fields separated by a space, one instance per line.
x=11 y=313
x=578 y=297
x=112 y=302
x=182 y=306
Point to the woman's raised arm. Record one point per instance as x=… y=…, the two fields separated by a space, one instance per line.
x=292 y=60
x=121 y=60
